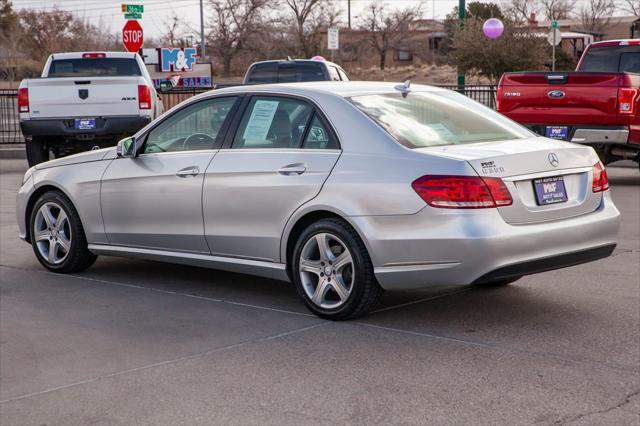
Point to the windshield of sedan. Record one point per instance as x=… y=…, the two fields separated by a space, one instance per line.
x=423 y=119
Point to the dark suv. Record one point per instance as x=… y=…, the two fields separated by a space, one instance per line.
x=287 y=71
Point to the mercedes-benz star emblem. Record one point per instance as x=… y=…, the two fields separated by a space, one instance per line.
x=553 y=159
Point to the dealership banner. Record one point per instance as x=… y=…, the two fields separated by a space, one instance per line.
x=178 y=65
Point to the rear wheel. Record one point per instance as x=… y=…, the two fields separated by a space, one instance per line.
x=332 y=271
x=57 y=235
x=37 y=151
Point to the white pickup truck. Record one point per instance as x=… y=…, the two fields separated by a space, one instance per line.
x=85 y=100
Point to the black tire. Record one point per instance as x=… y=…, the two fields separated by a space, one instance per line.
x=37 y=152
x=501 y=283
x=365 y=290
x=78 y=257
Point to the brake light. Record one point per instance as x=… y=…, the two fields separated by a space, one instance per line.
x=498 y=97
x=93 y=55
x=600 y=179
x=23 y=100
x=144 y=96
x=626 y=100
x=462 y=192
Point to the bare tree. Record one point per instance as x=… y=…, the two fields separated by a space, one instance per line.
x=632 y=6
x=596 y=15
x=310 y=16
x=557 y=9
x=386 y=30
x=232 y=23
x=520 y=10
x=176 y=32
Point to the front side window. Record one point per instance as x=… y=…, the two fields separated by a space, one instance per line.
x=192 y=128
x=423 y=119
x=273 y=122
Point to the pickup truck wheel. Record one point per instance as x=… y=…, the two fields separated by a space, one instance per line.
x=37 y=152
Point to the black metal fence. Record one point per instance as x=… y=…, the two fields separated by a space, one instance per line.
x=9 y=119
x=10 y=123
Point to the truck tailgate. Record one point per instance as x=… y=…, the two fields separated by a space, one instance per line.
x=559 y=98
x=68 y=97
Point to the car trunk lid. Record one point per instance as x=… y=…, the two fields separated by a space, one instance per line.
x=521 y=163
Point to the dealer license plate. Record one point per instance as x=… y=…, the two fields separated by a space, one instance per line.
x=550 y=190
x=557 y=132
x=85 y=123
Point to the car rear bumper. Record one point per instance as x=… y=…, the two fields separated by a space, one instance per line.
x=105 y=126
x=459 y=247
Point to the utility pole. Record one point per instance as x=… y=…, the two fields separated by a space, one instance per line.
x=348 y=12
x=461 y=13
x=203 y=53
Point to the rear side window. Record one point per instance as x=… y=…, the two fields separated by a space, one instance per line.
x=343 y=76
x=273 y=122
x=423 y=119
x=300 y=72
x=333 y=74
x=97 y=67
x=611 y=59
x=263 y=73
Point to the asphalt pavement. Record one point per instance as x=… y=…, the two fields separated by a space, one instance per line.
x=137 y=342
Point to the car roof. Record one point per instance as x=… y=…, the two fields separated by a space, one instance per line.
x=621 y=42
x=343 y=89
x=78 y=55
x=295 y=61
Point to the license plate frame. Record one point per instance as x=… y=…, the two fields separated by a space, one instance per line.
x=557 y=132
x=84 y=124
x=550 y=190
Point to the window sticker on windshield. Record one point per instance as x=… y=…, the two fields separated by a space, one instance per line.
x=442 y=131
x=260 y=120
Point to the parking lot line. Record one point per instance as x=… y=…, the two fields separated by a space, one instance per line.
x=425 y=299
x=169 y=292
x=169 y=361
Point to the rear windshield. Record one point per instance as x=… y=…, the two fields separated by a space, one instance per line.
x=423 y=119
x=97 y=67
x=612 y=59
x=272 y=72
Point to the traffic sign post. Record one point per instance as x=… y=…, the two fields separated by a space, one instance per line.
x=554 y=38
x=132 y=36
x=333 y=40
x=132 y=8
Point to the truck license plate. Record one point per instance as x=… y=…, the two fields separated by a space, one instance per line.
x=557 y=132
x=550 y=190
x=85 y=123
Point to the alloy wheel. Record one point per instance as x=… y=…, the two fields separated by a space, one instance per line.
x=326 y=270
x=52 y=233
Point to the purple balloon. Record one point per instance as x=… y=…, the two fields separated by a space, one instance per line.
x=493 y=28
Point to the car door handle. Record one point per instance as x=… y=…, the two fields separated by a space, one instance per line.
x=293 y=169
x=188 y=171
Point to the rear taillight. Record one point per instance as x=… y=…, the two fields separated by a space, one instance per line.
x=498 y=97
x=462 y=192
x=23 y=100
x=626 y=100
x=600 y=179
x=93 y=55
x=144 y=96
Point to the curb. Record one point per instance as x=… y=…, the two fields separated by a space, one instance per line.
x=13 y=153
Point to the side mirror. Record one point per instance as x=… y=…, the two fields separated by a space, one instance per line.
x=126 y=148
x=165 y=86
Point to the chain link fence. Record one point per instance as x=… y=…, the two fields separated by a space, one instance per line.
x=10 y=122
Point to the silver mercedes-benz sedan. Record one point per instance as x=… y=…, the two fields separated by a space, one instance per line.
x=344 y=189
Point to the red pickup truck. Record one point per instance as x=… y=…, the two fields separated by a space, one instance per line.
x=596 y=105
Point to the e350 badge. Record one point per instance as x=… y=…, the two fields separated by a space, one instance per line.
x=489 y=167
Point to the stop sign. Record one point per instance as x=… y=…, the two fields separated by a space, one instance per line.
x=132 y=35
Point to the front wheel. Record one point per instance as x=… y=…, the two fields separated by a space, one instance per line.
x=57 y=235
x=332 y=271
